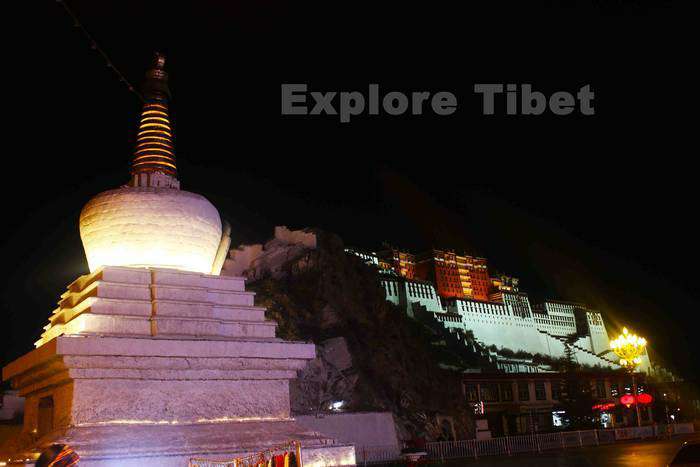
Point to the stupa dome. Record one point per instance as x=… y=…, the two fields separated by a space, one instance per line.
x=150 y=227
x=151 y=222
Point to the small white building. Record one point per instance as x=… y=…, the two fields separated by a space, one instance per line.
x=557 y=318
x=411 y=294
x=369 y=257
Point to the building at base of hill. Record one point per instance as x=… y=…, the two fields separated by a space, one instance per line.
x=525 y=403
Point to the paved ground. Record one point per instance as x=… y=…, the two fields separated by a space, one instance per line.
x=623 y=454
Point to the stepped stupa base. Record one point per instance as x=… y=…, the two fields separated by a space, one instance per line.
x=175 y=445
x=154 y=367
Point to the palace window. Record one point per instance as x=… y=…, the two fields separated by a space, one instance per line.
x=556 y=390
x=489 y=392
x=523 y=391
x=540 y=393
x=600 y=389
x=628 y=386
x=471 y=392
x=506 y=392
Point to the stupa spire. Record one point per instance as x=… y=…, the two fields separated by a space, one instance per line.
x=154 y=155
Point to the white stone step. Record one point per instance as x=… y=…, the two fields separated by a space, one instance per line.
x=119 y=275
x=182 y=363
x=203 y=310
x=104 y=306
x=195 y=294
x=239 y=313
x=107 y=290
x=110 y=306
x=232 y=298
x=144 y=276
x=207 y=328
x=91 y=323
x=92 y=345
x=41 y=367
x=181 y=374
x=181 y=278
x=125 y=291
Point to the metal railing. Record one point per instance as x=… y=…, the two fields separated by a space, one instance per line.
x=508 y=445
x=365 y=455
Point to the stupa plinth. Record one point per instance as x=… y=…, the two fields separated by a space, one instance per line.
x=153 y=358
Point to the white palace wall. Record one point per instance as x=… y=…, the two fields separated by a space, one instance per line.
x=514 y=325
x=493 y=323
x=599 y=339
x=409 y=292
x=392 y=288
x=497 y=324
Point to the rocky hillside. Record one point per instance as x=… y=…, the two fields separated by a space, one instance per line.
x=371 y=355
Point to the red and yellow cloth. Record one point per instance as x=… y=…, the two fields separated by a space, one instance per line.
x=66 y=458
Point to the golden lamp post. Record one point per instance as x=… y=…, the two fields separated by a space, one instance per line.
x=629 y=347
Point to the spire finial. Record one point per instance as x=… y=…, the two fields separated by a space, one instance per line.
x=155 y=152
x=159 y=61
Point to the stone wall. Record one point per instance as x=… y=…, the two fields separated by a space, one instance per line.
x=363 y=429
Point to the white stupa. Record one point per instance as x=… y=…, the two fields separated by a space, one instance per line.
x=151 y=222
x=154 y=358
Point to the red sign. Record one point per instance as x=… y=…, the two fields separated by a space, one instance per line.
x=645 y=399
x=604 y=407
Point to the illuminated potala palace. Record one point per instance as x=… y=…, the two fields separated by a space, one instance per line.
x=458 y=291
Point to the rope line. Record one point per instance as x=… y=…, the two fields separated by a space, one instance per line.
x=95 y=46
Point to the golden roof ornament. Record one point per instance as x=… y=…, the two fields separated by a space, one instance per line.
x=155 y=150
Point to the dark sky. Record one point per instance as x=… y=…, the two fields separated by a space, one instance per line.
x=600 y=209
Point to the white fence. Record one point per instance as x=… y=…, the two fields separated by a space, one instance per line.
x=509 y=445
x=376 y=454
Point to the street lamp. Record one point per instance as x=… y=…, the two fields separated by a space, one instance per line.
x=629 y=347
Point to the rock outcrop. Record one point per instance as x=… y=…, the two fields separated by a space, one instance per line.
x=370 y=355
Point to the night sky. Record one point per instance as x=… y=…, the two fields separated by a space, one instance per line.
x=601 y=209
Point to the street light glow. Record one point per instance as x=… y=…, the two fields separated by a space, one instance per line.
x=629 y=347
